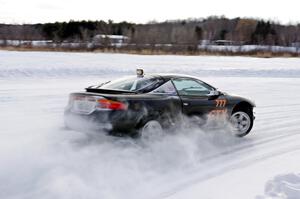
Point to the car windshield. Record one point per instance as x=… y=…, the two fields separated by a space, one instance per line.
x=133 y=83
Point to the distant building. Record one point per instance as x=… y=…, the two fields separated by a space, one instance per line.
x=34 y=43
x=204 y=42
x=225 y=42
x=220 y=43
x=296 y=44
x=111 y=40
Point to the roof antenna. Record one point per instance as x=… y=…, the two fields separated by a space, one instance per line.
x=140 y=72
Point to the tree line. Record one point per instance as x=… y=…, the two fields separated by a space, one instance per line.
x=176 y=32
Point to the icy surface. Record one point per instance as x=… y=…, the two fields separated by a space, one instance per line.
x=40 y=159
x=282 y=187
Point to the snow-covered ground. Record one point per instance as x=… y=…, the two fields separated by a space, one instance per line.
x=40 y=159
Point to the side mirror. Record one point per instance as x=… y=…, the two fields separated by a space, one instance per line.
x=214 y=94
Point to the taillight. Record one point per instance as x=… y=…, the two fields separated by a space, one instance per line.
x=111 y=104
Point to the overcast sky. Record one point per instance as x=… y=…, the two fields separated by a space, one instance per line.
x=139 y=11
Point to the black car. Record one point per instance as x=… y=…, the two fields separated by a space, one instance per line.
x=136 y=104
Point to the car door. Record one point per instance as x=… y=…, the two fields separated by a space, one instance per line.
x=196 y=98
x=167 y=103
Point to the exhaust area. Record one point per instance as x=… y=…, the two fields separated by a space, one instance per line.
x=44 y=160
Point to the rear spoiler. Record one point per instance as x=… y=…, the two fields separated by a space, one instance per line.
x=97 y=90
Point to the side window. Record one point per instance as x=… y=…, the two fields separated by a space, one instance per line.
x=191 y=87
x=166 y=88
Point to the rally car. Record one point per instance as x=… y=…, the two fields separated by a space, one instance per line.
x=141 y=103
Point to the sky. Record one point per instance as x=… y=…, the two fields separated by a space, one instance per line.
x=139 y=11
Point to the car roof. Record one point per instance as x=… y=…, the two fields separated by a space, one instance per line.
x=173 y=75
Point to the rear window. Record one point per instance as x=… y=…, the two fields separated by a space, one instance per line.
x=133 y=83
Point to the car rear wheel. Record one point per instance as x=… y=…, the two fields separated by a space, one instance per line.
x=151 y=130
x=241 y=123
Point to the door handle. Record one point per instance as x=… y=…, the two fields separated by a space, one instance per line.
x=185 y=103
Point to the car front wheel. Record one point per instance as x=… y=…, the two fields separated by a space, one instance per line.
x=241 y=123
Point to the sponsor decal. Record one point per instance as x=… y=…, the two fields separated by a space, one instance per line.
x=221 y=102
x=218 y=115
x=218 y=112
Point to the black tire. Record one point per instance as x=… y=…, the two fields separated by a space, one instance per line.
x=151 y=130
x=241 y=122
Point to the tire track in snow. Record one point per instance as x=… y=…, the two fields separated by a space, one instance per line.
x=285 y=129
x=276 y=147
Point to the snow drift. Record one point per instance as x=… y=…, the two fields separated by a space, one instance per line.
x=285 y=186
x=39 y=158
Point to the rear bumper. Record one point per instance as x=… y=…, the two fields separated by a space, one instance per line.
x=105 y=121
x=86 y=122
